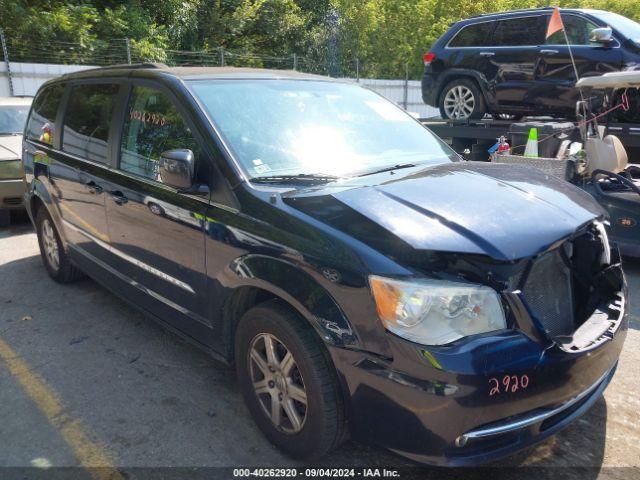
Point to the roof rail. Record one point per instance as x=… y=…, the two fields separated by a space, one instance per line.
x=121 y=66
x=522 y=10
x=136 y=65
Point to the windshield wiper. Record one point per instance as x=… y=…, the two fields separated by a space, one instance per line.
x=388 y=169
x=305 y=178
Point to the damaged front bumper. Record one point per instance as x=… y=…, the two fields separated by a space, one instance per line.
x=482 y=398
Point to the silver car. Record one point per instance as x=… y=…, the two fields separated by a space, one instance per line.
x=13 y=116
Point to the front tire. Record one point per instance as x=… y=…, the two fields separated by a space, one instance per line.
x=54 y=257
x=289 y=382
x=461 y=99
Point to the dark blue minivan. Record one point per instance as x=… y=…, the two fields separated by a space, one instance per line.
x=502 y=63
x=364 y=281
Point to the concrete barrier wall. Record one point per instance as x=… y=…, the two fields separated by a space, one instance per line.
x=394 y=91
x=27 y=78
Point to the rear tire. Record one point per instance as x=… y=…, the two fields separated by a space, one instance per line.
x=54 y=257
x=461 y=99
x=298 y=381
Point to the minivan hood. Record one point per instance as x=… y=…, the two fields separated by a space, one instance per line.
x=504 y=211
x=10 y=147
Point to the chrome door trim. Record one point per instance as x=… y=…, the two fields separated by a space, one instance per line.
x=144 y=266
x=140 y=287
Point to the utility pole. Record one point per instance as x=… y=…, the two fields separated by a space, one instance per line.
x=406 y=85
x=5 y=52
x=357 y=69
x=222 y=56
x=128 y=44
x=295 y=61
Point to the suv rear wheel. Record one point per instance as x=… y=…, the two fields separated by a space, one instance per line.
x=461 y=99
x=288 y=381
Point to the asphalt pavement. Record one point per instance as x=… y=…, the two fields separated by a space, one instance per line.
x=86 y=380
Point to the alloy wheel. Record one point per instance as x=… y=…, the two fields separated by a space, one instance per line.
x=459 y=102
x=278 y=383
x=50 y=244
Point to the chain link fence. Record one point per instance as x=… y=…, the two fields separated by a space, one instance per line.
x=122 y=51
x=27 y=64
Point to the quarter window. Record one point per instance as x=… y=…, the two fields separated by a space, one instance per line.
x=152 y=126
x=43 y=114
x=578 y=31
x=87 y=120
x=519 y=32
x=478 y=35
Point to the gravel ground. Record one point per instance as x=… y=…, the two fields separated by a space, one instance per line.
x=145 y=398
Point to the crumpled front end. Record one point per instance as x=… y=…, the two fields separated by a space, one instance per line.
x=486 y=396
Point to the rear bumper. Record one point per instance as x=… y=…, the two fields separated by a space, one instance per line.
x=437 y=405
x=11 y=194
x=431 y=85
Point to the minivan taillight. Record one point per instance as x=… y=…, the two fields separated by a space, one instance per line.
x=428 y=58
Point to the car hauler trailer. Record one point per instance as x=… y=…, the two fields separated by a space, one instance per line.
x=478 y=136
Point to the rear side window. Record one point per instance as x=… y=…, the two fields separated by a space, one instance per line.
x=152 y=126
x=43 y=114
x=87 y=119
x=478 y=35
x=519 y=32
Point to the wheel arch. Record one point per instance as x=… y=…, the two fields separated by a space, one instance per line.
x=38 y=198
x=260 y=278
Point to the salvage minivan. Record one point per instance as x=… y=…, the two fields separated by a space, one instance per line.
x=364 y=281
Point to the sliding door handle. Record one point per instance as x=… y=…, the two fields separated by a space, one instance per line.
x=546 y=51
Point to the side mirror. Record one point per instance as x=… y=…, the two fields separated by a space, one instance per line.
x=601 y=35
x=177 y=167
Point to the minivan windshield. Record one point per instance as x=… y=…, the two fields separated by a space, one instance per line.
x=13 y=118
x=307 y=127
x=624 y=25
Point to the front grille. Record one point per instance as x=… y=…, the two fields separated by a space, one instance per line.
x=12 y=201
x=547 y=292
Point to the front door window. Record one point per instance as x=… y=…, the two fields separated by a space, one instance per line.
x=152 y=125
x=578 y=31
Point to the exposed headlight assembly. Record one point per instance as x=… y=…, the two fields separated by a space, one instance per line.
x=435 y=312
x=11 y=169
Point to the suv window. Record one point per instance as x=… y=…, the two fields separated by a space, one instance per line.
x=43 y=114
x=519 y=32
x=578 y=31
x=87 y=120
x=478 y=35
x=152 y=126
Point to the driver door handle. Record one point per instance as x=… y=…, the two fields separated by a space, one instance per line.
x=546 y=51
x=487 y=54
x=93 y=187
x=118 y=197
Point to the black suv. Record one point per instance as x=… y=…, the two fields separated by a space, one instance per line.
x=362 y=279
x=502 y=64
